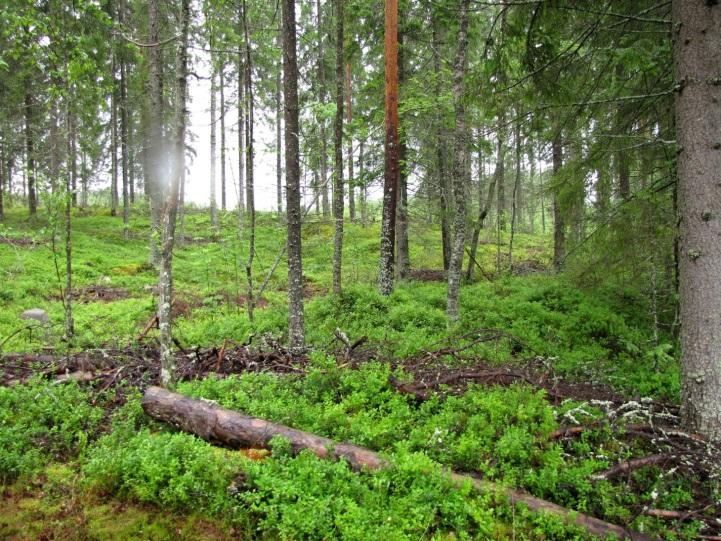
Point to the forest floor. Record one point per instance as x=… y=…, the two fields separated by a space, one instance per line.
x=544 y=385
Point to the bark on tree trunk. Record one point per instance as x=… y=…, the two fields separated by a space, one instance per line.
x=349 y=155
x=124 y=146
x=278 y=117
x=460 y=169
x=559 y=226
x=338 y=148
x=322 y=96
x=213 y=144
x=697 y=40
x=515 y=214
x=114 y=140
x=155 y=142
x=30 y=155
x=170 y=205
x=222 y=133
x=69 y=192
x=230 y=428
x=296 y=324
x=249 y=162
x=390 y=187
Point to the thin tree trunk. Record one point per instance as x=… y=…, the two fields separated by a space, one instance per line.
x=278 y=140
x=124 y=147
x=30 y=155
x=155 y=143
x=170 y=206
x=338 y=137
x=697 y=40
x=363 y=189
x=222 y=134
x=403 y=258
x=559 y=226
x=392 y=158
x=322 y=96
x=439 y=142
x=213 y=144
x=460 y=152
x=516 y=187
x=114 y=140
x=296 y=324
x=69 y=192
x=249 y=163
x=241 y=125
x=349 y=154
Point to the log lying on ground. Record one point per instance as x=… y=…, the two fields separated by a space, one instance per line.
x=230 y=428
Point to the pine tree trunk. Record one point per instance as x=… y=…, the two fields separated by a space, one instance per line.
x=241 y=126
x=155 y=142
x=338 y=210
x=697 y=41
x=439 y=143
x=460 y=155
x=114 y=141
x=278 y=140
x=363 y=189
x=296 y=325
x=392 y=165
x=124 y=147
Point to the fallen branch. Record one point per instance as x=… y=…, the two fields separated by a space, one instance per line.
x=230 y=428
x=628 y=466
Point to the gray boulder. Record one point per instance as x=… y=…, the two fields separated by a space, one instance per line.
x=38 y=314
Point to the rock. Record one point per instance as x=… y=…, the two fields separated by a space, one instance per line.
x=38 y=314
x=105 y=280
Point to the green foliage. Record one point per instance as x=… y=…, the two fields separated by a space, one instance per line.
x=43 y=421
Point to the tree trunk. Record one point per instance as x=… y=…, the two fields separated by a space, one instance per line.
x=515 y=215
x=170 y=205
x=321 y=97
x=338 y=210
x=349 y=155
x=249 y=164
x=390 y=187
x=278 y=143
x=403 y=259
x=296 y=325
x=30 y=155
x=241 y=125
x=222 y=133
x=697 y=41
x=227 y=427
x=155 y=141
x=559 y=226
x=363 y=189
x=114 y=140
x=69 y=192
x=124 y=146
x=439 y=142
x=213 y=144
x=460 y=169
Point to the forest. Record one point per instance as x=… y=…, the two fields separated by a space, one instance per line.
x=360 y=270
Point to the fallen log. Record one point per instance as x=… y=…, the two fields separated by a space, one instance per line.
x=628 y=466
x=230 y=428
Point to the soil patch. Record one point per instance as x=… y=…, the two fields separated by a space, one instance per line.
x=18 y=241
x=428 y=275
x=89 y=294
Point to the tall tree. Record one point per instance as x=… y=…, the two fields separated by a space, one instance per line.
x=559 y=223
x=321 y=98
x=697 y=40
x=403 y=258
x=296 y=323
x=460 y=169
x=338 y=149
x=390 y=186
x=169 y=208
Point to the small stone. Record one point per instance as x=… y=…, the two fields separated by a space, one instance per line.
x=38 y=314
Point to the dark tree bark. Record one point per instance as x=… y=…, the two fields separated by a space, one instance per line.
x=241 y=122
x=338 y=210
x=697 y=40
x=249 y=164
x=169 y=208
x=124 y=146
x=515 y=211
x=296 y=324
x=392 y=158
x=559 y=225
x=30 y=154
x=114 y=139
x=460 y=169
